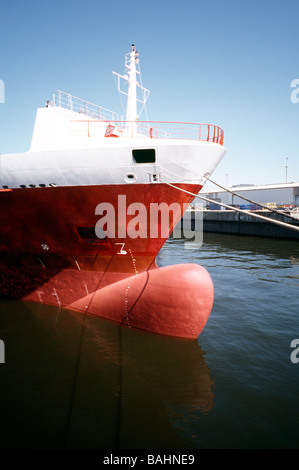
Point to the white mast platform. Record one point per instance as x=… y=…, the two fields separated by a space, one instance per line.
x=133 y=78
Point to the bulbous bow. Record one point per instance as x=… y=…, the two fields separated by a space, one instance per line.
x=172 y=300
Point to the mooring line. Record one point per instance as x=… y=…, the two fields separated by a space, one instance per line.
x=257 y=216
x=252 y=202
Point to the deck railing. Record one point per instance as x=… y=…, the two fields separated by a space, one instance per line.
x=151 y=129
x=67 y=101
x=104 y=122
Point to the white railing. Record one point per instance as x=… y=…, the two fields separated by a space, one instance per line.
x=93 y=111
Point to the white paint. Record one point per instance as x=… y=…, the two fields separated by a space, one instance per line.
x=69 y=148
x=131 y=115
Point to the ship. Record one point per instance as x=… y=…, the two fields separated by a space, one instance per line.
x=81 y=224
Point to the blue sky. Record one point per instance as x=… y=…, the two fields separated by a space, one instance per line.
x=229 y=63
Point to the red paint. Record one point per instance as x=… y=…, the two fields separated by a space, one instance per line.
x=173 y=300
x=45 y=258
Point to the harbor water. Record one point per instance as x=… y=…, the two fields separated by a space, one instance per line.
x=70 y=380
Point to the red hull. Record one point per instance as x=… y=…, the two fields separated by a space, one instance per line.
x=50 y=255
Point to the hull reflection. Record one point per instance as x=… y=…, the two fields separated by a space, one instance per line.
x=77 y=381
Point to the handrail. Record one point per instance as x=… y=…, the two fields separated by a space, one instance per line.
x=68 y=101
x=152 y=129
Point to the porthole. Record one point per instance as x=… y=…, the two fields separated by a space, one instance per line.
x=22 y=185
x=5 y=187
x=53 y=185
x=130 y=178
x=32 y=185
x=42 y=185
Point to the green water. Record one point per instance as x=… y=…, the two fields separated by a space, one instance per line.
x=80 y=382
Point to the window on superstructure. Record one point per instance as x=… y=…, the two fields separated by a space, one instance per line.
x=144 y=155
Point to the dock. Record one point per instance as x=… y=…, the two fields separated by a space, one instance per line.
x=236 y=223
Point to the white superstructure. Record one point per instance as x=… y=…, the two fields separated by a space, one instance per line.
x=77 y=143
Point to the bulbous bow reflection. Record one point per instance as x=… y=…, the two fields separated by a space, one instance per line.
x=78 y=381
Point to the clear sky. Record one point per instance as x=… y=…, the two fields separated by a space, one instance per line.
x=225 y=62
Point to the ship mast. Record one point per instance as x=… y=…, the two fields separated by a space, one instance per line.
x=131 y=116
x=136 y=92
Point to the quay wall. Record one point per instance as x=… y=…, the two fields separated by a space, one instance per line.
x=231 y=222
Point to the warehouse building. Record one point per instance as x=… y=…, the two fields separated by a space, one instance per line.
x=272 y=195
